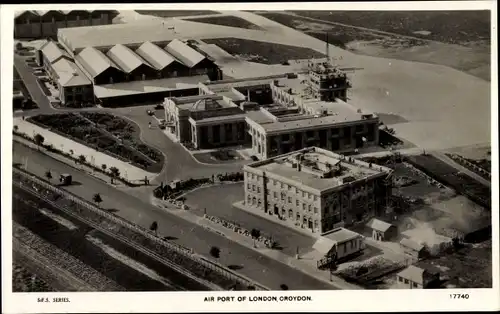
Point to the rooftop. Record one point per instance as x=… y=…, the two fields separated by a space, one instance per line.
x=411 y=244
x=69 y=74
x=317 y=113
x=53 y=52
x=209 y=102
x=147 y=86
x=157 y=32
x=378 y=225
x=413 y=273
x=341 y=235
x=318 y=168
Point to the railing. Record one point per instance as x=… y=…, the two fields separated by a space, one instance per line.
x=183 y=251
x=464 y=162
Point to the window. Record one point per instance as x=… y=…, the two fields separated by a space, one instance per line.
x=407 y=281
x=297 y=203
x=309 y=207
x=400 y=279
x=253 y=187
x=303 y=194
x=289 y=200
x=315 y=210
x=281 y=184
x=275 y=182
x=275 y=195
x=415 y=285
x=249 y=186
x=315 y=198
x=290 y=213
x=282 y=196
x=303 y=206
x=249 y=198
x=258 y=189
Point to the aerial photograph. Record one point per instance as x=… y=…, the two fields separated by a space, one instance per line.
x=178 y=150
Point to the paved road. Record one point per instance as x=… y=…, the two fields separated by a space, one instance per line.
x=255 y=266
x=26 y=74
x=180 y=163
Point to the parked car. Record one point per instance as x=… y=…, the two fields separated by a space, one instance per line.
x=65 y=179
x=254 y=158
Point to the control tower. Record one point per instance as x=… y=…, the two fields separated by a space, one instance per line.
x=328 y=82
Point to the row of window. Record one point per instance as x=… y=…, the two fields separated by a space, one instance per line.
x=254 y=201
x=282 y=186
x=406 y=281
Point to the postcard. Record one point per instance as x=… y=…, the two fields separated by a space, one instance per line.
x=250 y=157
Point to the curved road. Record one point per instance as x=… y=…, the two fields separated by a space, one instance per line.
x=260 y=268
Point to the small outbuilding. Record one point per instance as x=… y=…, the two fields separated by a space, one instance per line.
x=414 y=249
x=341 y=243
x=414 y=277
x=381 y=230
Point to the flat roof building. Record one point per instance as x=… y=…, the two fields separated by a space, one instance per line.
x=298 y=119
x=205 y=121
x=316 y=189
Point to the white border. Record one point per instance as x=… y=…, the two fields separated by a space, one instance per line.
x=379 y=300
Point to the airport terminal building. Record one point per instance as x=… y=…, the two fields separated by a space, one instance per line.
x=316 y=189
x=282 y=114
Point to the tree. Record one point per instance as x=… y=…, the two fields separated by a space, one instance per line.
x=82 y=158
x=283 y=287
x=215 y=252
x=97 y=198
x=16 y=128
x=115 y=173
x=255 y=233
x=71 y=152
x=39 y=139
x=48 y=175
x=19 y=46
x=154 y=227
x=103 y=167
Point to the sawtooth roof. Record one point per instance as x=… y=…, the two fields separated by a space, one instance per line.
x=187 y=55
x=156 y=56
x=125 y=58
x=94 y=61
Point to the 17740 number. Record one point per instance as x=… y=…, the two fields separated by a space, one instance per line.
x=459 y=296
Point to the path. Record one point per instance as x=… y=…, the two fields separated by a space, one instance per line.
x=256 y=266
x=96 y=158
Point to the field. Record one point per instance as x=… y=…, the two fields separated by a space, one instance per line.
x=113 y=135
x=453 y=27
x=25 y=281
x=225 y=20
x=461 y=43
x=338 y=35
x=448 y=175
x=468 y=267
x=263 y=52
x=174 y=13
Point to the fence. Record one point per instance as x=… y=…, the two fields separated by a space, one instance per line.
x=183 y=251
x=464 y=162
